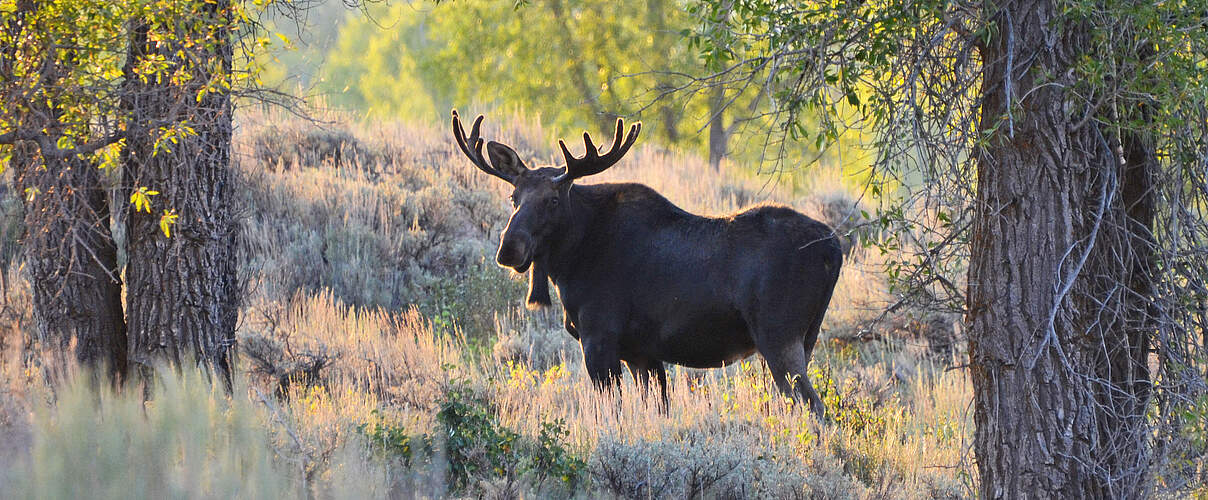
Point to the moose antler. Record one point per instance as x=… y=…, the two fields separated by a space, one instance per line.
x=475 y=153
x=592 y=162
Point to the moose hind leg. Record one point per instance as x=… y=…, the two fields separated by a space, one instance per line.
x=785 y=329
x=788 y=361
x=644 y=372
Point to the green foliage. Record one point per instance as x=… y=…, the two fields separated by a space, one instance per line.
x=475 y=443
x=67 y=68
x=846 y=407
x=552 y=458
x=54 y=34
x=574 y=64
x=477 y=447
x=375 y=70
x=432 y=58
x=1191 y=420
x=390 y=440
x=1146 y=61
x=1195 y=422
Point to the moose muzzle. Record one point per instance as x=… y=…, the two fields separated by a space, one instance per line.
x=515 y=251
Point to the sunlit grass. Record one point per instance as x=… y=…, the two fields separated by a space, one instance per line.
x=373 y=298
x=909 y=439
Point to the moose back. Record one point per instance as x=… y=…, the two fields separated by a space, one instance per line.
x=645 y=282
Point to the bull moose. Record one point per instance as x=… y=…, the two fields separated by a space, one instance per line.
x=645 y=282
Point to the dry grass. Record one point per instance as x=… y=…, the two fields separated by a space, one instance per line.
x=373 y=304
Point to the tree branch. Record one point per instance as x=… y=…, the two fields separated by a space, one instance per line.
x=50 y=149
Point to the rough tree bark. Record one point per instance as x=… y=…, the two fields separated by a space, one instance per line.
x=1058 y=279
x=182 y=292
x=72 y=259
x=69 y=251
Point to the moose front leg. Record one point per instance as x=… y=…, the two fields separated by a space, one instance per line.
x=602 y=361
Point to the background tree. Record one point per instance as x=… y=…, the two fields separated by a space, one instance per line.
x=1061 y=145
x=56 y=101
x=575 y=64
x=580 y=64
x=145 y=88
x=183 y=294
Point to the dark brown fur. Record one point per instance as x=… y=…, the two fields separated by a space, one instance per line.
x=645 y=282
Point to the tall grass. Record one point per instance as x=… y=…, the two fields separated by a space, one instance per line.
x=899 y=439
x=188 y=441
x=376 y=326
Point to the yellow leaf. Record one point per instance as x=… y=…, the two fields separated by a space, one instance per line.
x=141 y=199
x=166 y=221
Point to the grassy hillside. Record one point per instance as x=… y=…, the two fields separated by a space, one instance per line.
x=386 y=354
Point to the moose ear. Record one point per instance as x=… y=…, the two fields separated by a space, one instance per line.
x=505 y=159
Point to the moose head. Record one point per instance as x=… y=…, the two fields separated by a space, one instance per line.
x=540 y=196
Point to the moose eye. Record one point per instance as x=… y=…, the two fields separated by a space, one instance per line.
x=553 y=201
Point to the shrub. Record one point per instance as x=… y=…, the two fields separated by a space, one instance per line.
x=392 y=232
x=475 y=443
x=552 y=459
x=286 y=147
x=479 y=452
x=710 y=461
x=471 y=300
x=846 y=406
x=388 y=440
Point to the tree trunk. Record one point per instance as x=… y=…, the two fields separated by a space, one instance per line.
x=656 y=22
x=576 y=71
x=1058 y=278
x=719 y=133
x=183 y=295
x=72 y=260
x=719 y=136
x=68 y=248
